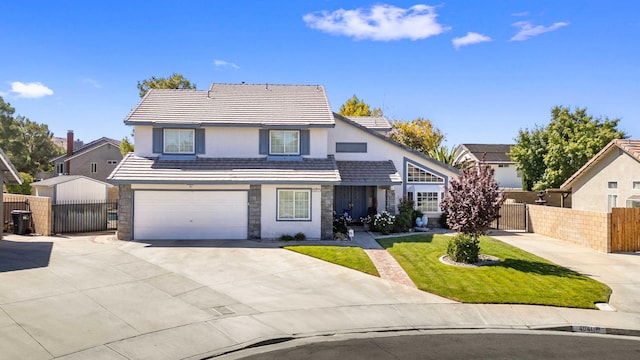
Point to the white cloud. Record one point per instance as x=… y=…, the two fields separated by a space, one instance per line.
x=222 y=63
x=92 y=82
x=470 y=39
x=528 y=30
x=523 y=13
x=380 y=22
x=30 y=90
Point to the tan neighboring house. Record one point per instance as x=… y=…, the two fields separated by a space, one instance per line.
x=8 y=175
x=610 y=179
x=496 y=156
x=96 y=159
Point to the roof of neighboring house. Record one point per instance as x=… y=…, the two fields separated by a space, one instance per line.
x=368 y=173
x=7 y=167
x=141 y=170
x=372 y=122
x=395 y=143
x=493 y=153
x=630 y=147
x=88 y=147
x=235 y=105
x=63 y=179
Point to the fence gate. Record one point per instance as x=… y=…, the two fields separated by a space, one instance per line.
x=512 y=217
x=625 y=229
x=84 y=217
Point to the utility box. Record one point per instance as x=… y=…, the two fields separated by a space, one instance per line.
x=21 y=221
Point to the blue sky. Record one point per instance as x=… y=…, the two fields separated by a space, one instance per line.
x=479 y=70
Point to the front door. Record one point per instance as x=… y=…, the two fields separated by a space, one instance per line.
x=351 y=199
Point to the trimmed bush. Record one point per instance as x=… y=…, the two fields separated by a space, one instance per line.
x=404 y=220
x=286 y=237
x=464 y=248
x=300 y=236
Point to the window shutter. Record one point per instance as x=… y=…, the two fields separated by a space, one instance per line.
x=200 y=145
x=305 y=147
x=264 y=142
x=158 y=139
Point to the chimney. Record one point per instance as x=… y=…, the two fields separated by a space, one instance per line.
x=67 y=163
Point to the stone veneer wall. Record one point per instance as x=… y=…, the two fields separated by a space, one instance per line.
x=390 y=206
x=40 y=207
x=585 y=228
x=124 y=212
x=326 y=209
x=255 y=203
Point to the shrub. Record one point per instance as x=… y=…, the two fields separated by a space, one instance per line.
x=443 y=220
x=404 y=220
x=341 y=224
x=464 y=248
x=300 y=236
x=286 y=237
x=383 y=223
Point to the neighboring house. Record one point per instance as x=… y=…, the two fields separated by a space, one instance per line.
x=96 y=159
x=497 y=156
x=259 y=161
x=610 y=179
x=66 y=189
x=8 y=175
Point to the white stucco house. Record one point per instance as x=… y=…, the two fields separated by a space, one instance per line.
x=8 y=175
x=610 y=179
x=496 y=156
x=66 y=189
x=241 y=161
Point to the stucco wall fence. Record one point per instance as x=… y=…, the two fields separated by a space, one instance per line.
x=40 y=211
x=585 y=228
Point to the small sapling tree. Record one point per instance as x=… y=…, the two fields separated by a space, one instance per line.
x=472 y=203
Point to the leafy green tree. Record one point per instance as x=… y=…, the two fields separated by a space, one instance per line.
x=25 y=188
x=548 y=157
x=450 y=156
x=175 y=81
x=472 y=203
x=418 y=134
x=27 y=144
x=357 y=107
x=125 y=146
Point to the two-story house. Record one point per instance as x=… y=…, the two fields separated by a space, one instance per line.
x=496 y=156
x=242 y=161
x=95 y=160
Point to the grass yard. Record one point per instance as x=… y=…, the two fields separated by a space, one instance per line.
x=521 y=278
x=351 y=257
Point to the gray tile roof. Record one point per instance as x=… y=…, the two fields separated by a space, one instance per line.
x=368 y=173
x=88 y=147
x=141 y=170
x=11 y=173
x=372 y=122
x=236 y=104
x=492 y=152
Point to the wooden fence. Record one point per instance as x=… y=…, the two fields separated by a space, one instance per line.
x=625 y=229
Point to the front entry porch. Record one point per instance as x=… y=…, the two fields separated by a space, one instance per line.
x=356 y=201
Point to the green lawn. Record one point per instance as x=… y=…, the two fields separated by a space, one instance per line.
x=351 y=257
x=521 y=278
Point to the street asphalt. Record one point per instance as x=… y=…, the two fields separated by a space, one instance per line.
x=93 y=297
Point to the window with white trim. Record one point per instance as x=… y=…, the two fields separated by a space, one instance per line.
x=419 y=175
x=284 y=142
x=612 y=184
x=179 y=141
x=94 y=167
x=612 y=202
x=636 y=185
x=427 y=202
x=294 y=204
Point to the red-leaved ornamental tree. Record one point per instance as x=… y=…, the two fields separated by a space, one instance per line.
x=472 y=203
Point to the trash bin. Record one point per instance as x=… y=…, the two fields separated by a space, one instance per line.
x=21 y=221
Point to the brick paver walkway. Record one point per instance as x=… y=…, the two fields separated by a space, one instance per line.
x=387 y=266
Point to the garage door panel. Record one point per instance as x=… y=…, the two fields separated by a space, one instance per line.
x=190 y=215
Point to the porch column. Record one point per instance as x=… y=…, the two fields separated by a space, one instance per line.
x=326 y=212
x=390 y=205
x=124 y=212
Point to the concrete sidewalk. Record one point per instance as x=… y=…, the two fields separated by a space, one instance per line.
x=93 y=297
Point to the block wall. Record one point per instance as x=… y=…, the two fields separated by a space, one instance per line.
x=40 y=211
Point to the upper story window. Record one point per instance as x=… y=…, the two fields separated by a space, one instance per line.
x=636 y=185
x=612 y=184
x=94 y=167
x=179 y=141
x=284 y=142
x=419 y=175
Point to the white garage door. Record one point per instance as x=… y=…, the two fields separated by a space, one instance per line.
x=190 y=215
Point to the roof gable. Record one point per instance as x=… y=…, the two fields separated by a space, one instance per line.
x=492 y=153
x=95 y=144
x=7 y=167
x=628 y=146
x=63 y=179
x=236 y=104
